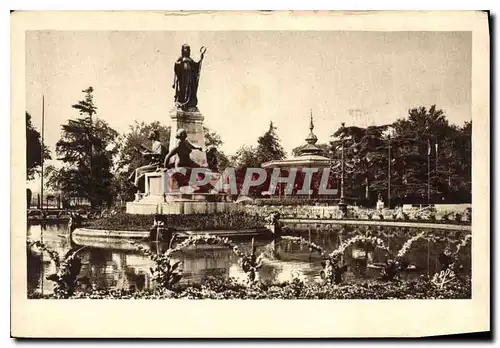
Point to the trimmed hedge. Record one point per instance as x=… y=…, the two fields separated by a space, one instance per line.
x=121 y=222
x=194 y=222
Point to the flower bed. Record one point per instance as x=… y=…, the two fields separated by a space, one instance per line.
x=194 y=222
x=219 y=288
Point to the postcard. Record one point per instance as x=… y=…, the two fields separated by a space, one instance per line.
x=250 y=174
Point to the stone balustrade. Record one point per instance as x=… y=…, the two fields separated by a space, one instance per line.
x=461 y=214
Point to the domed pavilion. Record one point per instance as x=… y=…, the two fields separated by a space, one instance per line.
x=310 y=156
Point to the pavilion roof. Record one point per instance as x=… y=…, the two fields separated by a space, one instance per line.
x=310 y=156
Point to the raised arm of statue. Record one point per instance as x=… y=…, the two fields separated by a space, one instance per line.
x=192 y=147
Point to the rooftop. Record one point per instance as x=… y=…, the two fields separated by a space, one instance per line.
x=310 y=156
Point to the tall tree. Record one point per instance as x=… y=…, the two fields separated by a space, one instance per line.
x=86 y=151
x=428 y=157
x=365 y=156
x=415 y=139
x=453 y=164
x=269 y=146
x=34 y=149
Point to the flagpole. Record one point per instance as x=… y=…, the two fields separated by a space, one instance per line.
x=41 y=153
x=436 y=148
x=41 y=186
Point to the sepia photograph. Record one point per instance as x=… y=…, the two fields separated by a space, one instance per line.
x=252 y=163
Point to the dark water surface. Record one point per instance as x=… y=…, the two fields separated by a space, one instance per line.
x=116 y=264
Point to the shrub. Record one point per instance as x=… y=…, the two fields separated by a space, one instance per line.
x=194 y=222
x=449 y=216
x=165 y=273
x=169 y=273
x=468 y=215
x=67 y=270
x=217 y=288
x=122 y=221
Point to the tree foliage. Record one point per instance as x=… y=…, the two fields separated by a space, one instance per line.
x=129 y=156
x=212 y=138
x=365 y=155
x=423 y=146
x=34 y=149
x=245 y=157
x=269 y=146
x=86 y=152
x=428 y=147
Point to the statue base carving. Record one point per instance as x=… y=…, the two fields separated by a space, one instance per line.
x=190 y=120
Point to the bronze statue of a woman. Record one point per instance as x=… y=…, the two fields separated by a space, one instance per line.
x=187 y=75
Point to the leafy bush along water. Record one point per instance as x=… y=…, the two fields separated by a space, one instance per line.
x=166 y=274
x=194 y=222
x=332 y=269
x=67 y=270
x=221 y=288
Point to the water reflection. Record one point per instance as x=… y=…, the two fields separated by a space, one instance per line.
x=116 y=264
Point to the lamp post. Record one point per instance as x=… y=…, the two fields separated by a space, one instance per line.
x=42 y=153
x=342 y=204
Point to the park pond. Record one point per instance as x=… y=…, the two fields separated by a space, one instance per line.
x=117 y=264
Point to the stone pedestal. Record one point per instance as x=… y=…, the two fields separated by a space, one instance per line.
x=184 y=207
x=192 y=121
x=163 y=196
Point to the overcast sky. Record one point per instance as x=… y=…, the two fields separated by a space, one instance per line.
x=251 y=78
